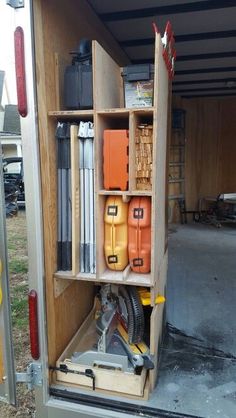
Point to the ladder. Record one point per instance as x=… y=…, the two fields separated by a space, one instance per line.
x=177 y=166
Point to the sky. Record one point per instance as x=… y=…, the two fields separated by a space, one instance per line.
x=7 y=63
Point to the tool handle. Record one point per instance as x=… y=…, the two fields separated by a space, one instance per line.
x=113 y=230
x=139 y=240
x=148 y=363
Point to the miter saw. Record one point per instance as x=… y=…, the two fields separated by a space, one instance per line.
x=120 y=331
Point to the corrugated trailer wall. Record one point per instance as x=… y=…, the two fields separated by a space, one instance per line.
x=210 y=148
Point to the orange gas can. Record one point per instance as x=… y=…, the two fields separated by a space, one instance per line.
x=116 y=159
x=139 y=222
x=116 y=233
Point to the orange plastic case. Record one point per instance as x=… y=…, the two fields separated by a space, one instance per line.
x=116 y=233
x=139 y=222
x=116 y=159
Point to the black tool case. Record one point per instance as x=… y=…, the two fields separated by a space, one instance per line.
x=78 y=81
x=138 y=85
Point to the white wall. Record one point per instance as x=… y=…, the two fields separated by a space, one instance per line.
x=7 y=59
x=1 y=120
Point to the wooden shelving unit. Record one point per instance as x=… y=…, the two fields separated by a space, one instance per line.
x=109 y=113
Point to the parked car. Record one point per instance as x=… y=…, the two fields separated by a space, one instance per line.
x=14 y=176
x=11 y=194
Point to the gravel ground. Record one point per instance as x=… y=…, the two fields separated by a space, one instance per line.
x=18 y=267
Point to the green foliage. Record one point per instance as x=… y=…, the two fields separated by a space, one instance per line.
x=18 y=266
x=19 y=306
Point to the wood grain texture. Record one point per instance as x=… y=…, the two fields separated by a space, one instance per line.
x=210 y=148
x=155 y=341
x=66 y=312
x=159 y=244
x=110 y=380
x=106 y=80
x=61 y=285
x=160 y=133
x=60 y=65
x=58 y=30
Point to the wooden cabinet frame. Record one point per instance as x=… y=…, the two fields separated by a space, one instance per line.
x=69 y=295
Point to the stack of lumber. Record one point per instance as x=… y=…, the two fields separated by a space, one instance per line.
x=143 y=157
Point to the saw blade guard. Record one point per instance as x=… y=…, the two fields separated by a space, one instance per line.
x=135 y=315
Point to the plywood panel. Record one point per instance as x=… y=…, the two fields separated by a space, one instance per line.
x=160 y=121
x=62 y=29
x=58 y=29
x=106 y=79
x=227 y=176
x=210 y=148
x=202 y=150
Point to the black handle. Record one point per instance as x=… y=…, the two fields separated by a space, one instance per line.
x=148 y=363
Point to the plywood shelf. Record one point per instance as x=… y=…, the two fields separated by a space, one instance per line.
x=109 y=276
x=116 y=112
x=125 y=193
x=86 y=276
x=119 y=112
x=141 y=193
x=113 y=192
x=64 y=275
x=68 y=275
x=126 y=277
x=144 y=111
x=71 y=114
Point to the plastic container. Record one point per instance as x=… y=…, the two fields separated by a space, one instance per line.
x=78 y=79
x=139 y=234
x=116 y=159
x=116 y=233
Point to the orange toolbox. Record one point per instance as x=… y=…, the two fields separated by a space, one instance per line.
x=116 y=233
x=116 y=159
x=139 y=223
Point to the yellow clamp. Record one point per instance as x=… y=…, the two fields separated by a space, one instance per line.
x=145 y=297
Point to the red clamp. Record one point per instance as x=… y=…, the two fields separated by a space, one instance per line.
x=169 y=52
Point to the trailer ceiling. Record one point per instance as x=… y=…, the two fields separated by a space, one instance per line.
x=205 y=34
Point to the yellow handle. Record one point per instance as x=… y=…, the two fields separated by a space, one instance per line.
x=145 y=297
x=160 y=299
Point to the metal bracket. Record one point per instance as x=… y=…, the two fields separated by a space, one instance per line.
x=15 y=4
x=33 y=376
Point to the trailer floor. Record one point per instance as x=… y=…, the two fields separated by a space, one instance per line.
x=198 y=359
x=197 y=374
